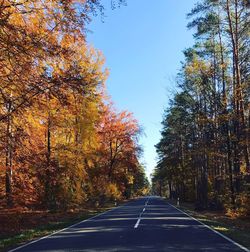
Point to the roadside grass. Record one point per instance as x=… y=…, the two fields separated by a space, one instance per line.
x=14 y=239
x=238 y=229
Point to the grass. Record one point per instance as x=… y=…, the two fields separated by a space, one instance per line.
x=238 y=229
x=12 y=240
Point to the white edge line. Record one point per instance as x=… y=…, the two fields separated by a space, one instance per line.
x=215 y=231
x=56 y=232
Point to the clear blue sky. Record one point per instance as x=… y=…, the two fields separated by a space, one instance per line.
x=143 y=43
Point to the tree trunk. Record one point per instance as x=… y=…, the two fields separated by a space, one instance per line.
x=226 y=123
x=242 y=132
x=8 y=157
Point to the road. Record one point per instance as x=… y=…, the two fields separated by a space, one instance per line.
x=145 y=224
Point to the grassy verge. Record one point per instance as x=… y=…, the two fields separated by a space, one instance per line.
x=238 y=229
x=13 y=239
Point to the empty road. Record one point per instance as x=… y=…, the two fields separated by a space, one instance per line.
x=145 y=224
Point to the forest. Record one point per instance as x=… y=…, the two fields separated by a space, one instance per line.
x=203 y=153
x=63 y=142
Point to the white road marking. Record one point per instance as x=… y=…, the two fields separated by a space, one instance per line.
x=139 y=218
x=56 y=232
x=137 y=223
x=215 y=231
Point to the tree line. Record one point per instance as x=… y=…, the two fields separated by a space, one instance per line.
x=62 y=141
x=203 y=153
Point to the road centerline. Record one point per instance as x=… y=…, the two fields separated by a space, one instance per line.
x=137 y=223
x=140 y=215
x=167 y=229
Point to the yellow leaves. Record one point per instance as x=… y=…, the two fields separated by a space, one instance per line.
x=197 y=66
x=111 y=191
x=61 y=123
x=16 y=19
x=67 y=41
x=130 y=180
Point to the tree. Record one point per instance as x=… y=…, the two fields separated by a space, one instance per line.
x=116 y=161
x=51 y=81
x=216 y=146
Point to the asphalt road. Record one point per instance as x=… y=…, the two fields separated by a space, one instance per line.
x=145 y=224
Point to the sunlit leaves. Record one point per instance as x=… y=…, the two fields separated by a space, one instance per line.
x=61 y=144
x=204 y=148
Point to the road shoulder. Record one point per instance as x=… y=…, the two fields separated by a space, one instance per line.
x=48 y=224
x=237 y=230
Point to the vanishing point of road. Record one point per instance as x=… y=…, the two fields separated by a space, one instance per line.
x=145 y=224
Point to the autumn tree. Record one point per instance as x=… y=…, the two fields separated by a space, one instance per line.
x=52 y=109
x=116 y=163
x=215 y=142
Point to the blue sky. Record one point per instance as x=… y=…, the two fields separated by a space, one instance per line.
x=143 y=43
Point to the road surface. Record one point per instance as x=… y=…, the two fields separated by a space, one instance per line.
x=145 y=224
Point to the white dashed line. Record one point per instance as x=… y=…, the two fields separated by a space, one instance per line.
x=137 y=223
x=139 y=219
